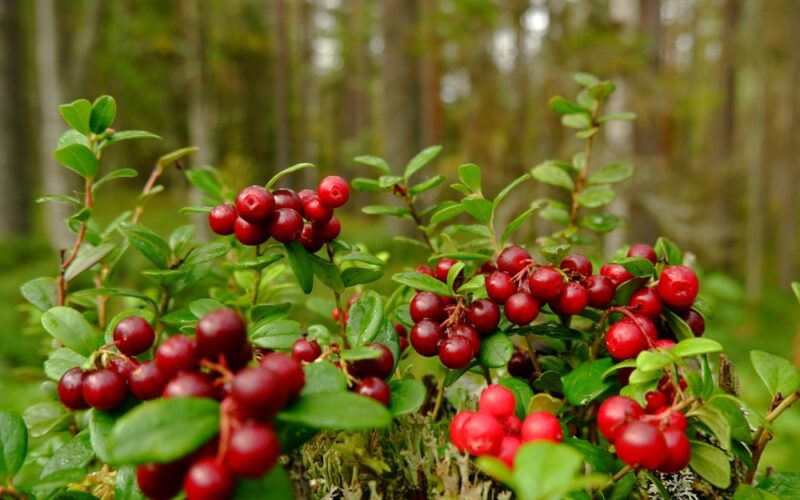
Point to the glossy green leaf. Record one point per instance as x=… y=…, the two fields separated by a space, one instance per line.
x=77 y=453
x=548 y=173
x=128 y=135
x=695 y=347
x=393 y=211
x=373 y=161
x=76 y=114
x=479 y=208
x=275 y=485
x=711 y=464
x=364 y=319
x=576 y=120
x=427 y=185
x=596 y=196
x=300 y=262
x=447 y=212
x=148 y=243
x=516 y=223
x=420 y=160
x=13 y=444
x=337 y=411
x=496 y=350
x=420 y=281
x=69 y=327
x=678 y=325
x=612 y=173
x=327 y=273
x=278 y=334
x=564 y=106
x=104 y=110
x=407 y=396
x=668 y=251
x=79 y=159
x=61 y=360
x=585 y=382
x=636 y=265
x=470 y=175
x=522 y=393
x=42 y=293
x=323 y=376
x=779 y=375
x=87 y=258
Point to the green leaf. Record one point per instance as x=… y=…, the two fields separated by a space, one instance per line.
x=782 y=484
x=602 y=223
x=407 y=396
x=679 y=328
x=711 y=464
x=601 y=90
x=480 y=208
x=544 y=470
x=550 y=174
x=496 y=350
x=207 y=180
x=338 y=411
x=176 y=155
x=104 y=110
x=419 y=281
x=506 y=190
x=447 y=212
x=260 y=262
x=586 y=133
x=42 y=293
x=366 y=185
x=747 y=492
x=75 y=454
x=286 y=171
x=79 y=159
x=420 y=160
x=636 y=265
x=598 y=458
x=545 y=402
x=300 y=262
x=596 y=196
x=125 y=487
x=61 y=360
x=796 y=289
x=101 y=425
x=585 y=79
x=585 y=383
x=495 y=468
x=393 y=211
x=276 y=485
x=648 y=361
x=522 y=393
x=164 y=430
x=275 y=334
x=46 y=417
x=716 y=423
x=364 y=319
x=426 y=185
x=516 y=223
x=389 y=181
x=322 y=376
x=87 y=258
x=360 y=275
x=13 y=444
x=555 y=211
x=779 y=375
x=668 y=251
x=623 y=488
x=327 y=272
x=120 y=173
x=128 y=135
x=76 y=114
x=695 y=347
x=261 y=312
x=564 y=106
x=373 y=161
x=209 y=252
x=576 y=120
x=69 y=327
x=148 y=243
x=612 y=173
x=470 y=175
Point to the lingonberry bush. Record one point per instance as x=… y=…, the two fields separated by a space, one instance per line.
x=211 y=374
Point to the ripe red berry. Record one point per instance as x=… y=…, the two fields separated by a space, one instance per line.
x=695 y=321
x=541 y=426
x=333 y=191
x=401 y=330
x=500 y=286
x=209 y=480
x=443 y=267
x=470 y=333
x=601 y=291
x=289 y=370
x=147 y=381
x=122 y=366
x=326 y=231
x=259 y=393
x=221 y=331
x=640 y=444
x=664 y=344
x=498 y=401
x=375 y=388
x=513 y=259
x=616 y=273
x=520 y=365
x=304 y=194
x=521 y=308
x=134 y=335
x=221 y=219
x=572 y=300
x=306 y=350
x=656 y=400
x=457 y=428
x=456 y=352
x=482 y=434
x=285 y=225
x=646 y=325
x=647 y=302
x=675 y=420
x=484 y=315
x=425 y=269
x=679 y=451
x=380 y=367
x=546 y=283
x=316 y=211
x=508 y=449
x=512 y=425
x=644 y=251
x=250 y=234
x=577 y=264
x=614 y=412
x=286 y=198
x=176 y=354
x=160 y=481
x=103 y=389
x=677 y=287
x=70 y=389
x=253 y=449
x=426 y=305
x=425 y=337
x=254 y=204
x=189 y=385
x=308 y=241
x=624 y=340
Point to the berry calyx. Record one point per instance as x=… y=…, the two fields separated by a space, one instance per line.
x=253 y=449
x=513 y=259
x=500 y=286
x=305 y=350
x=572 y=300
x=455 y=352
x=484 y=315
x=640 y=444
x=677 y=287
x=176 y=354
x=426 y=305
x=541 y=426
x=147 y=381
x=254 y=204
x=498 y=401
x=577 y=264
x=482 y=434
x=221 y=331
x=644 y=251
x=425 y=337
x=222 y=218
x=521 y=308
x=209 y=480
x=134 y=335
x=333 y=191
x=614 y=412
x=258 y=392
x=375 y=388
x=103 y=389
x=70 y=389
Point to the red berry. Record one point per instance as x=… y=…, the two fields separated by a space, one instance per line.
x=520 y=365
x=426 y=305
x=425 y=269
x=647 y=302
x=403 y=341
x=259 y=393
x=401 y=330
x=546 y=283
x=624 y=340
x=679 y=451
x=541 y=426
x=122 y=366
x=443 y=267
x=521 y=308
x=470 y=333
x=316 y=211
x=456 y=352
x=513 y=259
x=695 y=321
x=333 y=191
x=221 y=219
x=285 y=225
x=500 y=286
x=254 y=204
x=176 y=354
x=601 y=291
x=289 y=370
x=644 y=251
x=656 y=400
x=641 y=444
x=572 y=300
x=103 y=389
x=677 y=287
x=375 y=388
x=457 y=428
x=70 y=389
x=425 y=337
x=498 y=401
x=286 y=198
x=189 y=385
x=326 y=231
x=147 y=381
x=306 y=350
x=250 y=234
x=134 y=335
x=160 y=481
x=614 y=412
x=677 y=420
x=616 y=273
x=508 y=449
x=209 y=480
x=578 y=264
x=482 y=434
x=308 y=241
x=380 y=367
x=221 y=331
x=253 y=449
x=484 y=315
x=664 y=344
x=646 y=325
x=304 y=194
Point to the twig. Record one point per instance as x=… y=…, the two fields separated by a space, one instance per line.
x=439 y=398
x=65 y=262
x=582 y=174
x=763 y=436
x=415 y=215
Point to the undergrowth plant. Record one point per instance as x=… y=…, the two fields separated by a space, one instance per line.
x=213 y=373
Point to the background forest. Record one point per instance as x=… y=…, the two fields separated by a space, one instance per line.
x=261 y=84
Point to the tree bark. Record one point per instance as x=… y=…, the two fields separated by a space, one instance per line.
x=280 y=80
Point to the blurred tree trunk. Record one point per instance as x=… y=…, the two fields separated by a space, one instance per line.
x=280 y=77
x=432 y=115
x=15 y=217
x=83 y=44
x=306 y=84
x=54 y=177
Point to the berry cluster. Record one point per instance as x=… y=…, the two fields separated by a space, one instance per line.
x=496 y=431
x=652 y=440
x=259 y=214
